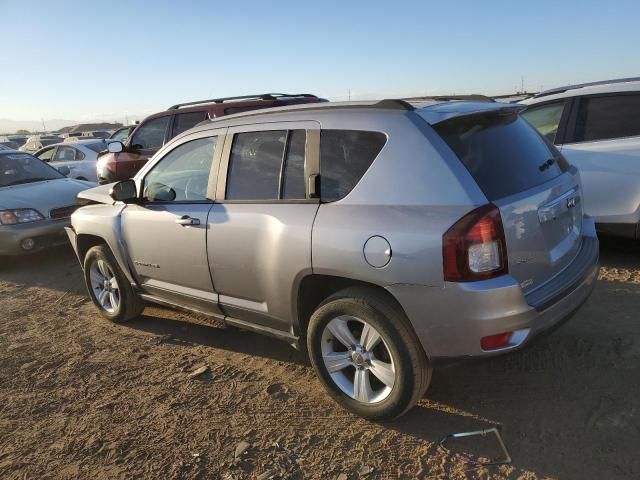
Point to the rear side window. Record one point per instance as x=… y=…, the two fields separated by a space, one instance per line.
x=254 y=165
x=545 y=119
x=150 y=134
x=185 y=121
x=65 y=154
x=267 y=165
x=602 y=118
x=502 y=152
x=345 y=155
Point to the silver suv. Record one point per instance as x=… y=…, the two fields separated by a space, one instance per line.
x=377 y=236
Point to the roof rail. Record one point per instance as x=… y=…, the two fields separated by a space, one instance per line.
x=394 y=104
x=261 y=96
x=473 y=97
x=582 y=85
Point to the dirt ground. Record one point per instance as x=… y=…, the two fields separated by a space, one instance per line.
x=82 y=398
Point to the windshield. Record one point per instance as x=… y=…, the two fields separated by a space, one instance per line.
x=17 y=168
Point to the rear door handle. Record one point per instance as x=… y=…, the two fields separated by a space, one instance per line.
x=186 y=220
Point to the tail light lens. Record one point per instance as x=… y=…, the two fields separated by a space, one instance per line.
x=494 y=342
x=474 y=248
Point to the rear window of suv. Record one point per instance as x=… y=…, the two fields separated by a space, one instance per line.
x=345 y=155
x=502 y=152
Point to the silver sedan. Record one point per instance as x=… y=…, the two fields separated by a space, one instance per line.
x=75 y=159
x=36 y=202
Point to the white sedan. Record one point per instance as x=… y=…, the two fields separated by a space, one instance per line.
x=74 y=159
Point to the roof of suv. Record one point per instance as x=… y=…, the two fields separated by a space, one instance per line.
x=433 y=111
x=630 y=84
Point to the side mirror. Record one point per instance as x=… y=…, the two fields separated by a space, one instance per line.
x=124 y=191
x=115 y=147
x=64 y=171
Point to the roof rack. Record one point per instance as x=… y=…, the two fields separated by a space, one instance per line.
x=261 y=96
x=393 y=104
x=473 y=97
x=582 y=85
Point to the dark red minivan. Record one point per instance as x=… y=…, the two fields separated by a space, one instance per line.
x=155 y=130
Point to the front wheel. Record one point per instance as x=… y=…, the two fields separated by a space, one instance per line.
x=366 y=354
x=108 y=287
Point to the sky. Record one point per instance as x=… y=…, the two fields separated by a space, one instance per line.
x=88 y=60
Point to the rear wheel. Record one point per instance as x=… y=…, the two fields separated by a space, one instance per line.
x=366 y=354
x=109 y=288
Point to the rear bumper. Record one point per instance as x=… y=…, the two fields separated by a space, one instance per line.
x=451 y=320
x=46 y=234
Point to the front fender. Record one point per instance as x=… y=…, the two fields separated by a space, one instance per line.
x=104 y=222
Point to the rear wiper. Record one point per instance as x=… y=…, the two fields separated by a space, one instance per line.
x=547 y=164
x=29 y=180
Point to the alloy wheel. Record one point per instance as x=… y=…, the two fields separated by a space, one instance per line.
x=358 y=360
x=104 y=285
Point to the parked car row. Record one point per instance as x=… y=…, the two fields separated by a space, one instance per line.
x=379 y=237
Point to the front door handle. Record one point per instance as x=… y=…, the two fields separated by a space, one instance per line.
x=186 y=220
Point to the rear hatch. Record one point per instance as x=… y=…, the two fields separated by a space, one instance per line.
x=537 y=192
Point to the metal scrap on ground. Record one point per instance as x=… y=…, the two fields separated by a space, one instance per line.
x=495 y=430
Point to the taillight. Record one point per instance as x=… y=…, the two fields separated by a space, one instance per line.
x=474 y=248
x=494 y=342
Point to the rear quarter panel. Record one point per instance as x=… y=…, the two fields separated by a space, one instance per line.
x=413 y=192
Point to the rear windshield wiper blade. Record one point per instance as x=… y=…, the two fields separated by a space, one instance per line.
x=546 y=164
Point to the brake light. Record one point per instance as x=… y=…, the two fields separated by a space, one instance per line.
x=474 y=248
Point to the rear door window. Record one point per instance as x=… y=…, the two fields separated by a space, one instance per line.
x=64 y=154
x=151 y=134
x=545 y=118
x=345 y=155
x=185 y=121
x=502 y=152
x=254 y=165
x=606 y=117
x=267 y=165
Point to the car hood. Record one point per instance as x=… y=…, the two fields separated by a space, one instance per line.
x=97 y=195
x=43 y=196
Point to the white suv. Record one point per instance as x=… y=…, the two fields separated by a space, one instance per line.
x=596 y=126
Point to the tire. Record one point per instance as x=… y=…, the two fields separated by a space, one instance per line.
x=124 y=302
x=397 y=357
